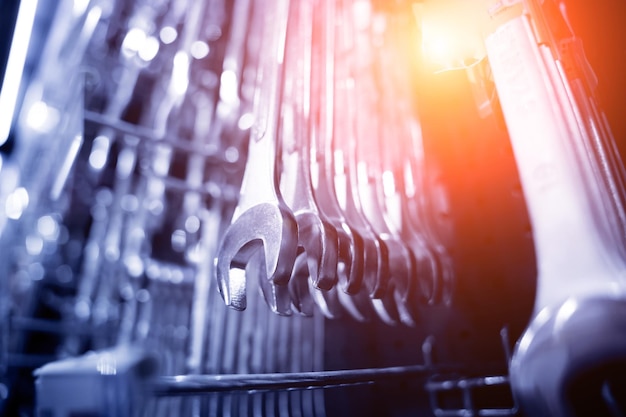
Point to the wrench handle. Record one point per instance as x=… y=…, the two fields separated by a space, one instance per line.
x=581 y=291
x=297 y=127
x=260 y=181
x=571 y=225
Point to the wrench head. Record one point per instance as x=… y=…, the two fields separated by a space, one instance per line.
x=359 y=305
x=327 y=301
x=276 y=295
x=351 y=256
x=434 y=272
x=269 y=228
x=377 y=282
x=428 y=275
x=320 y=243
x=376 y=267
x=402 y=267
x=301 y=297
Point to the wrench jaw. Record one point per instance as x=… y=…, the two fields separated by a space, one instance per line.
x=428 y=278
x=305 y=296
x=327 y=301
x=301 y=297
x=359 y=306
x=377 y=273
x=353 y=298
x=351 y=256
x=435 y=275
x=402 y=265
x=266 y=228
x=371 y=267
x=320 y=243
x=276 y=295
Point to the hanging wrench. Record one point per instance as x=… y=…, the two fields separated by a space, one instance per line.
x=377 y=132
x=376 y=254
x=436 y=276
x=578 y=328
x=317 y=238
x=401 y=130
x=351 y=246
x=403 y=187
x=261 y=220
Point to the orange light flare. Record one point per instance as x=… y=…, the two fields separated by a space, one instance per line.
x=464 y=136
x=450 y=37
x=452 y=31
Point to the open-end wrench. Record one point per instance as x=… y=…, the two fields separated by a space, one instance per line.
x=402 y=133
x=277 y=297
x=377 y=133
x=376 y=254
x=262 y=220
x=300 y=292
x=402 y=263
x=351 y=246
x=436 y=270
x=402 y=156
x=578 y=328
x=316 y=237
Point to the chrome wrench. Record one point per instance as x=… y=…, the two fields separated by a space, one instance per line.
x=581 y=290
x=376 y=253
x=262 y=220
x=377 y=133
x=352 y=294
x=317 y=238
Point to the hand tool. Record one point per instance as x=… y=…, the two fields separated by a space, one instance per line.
x=350 y=243
x=376 y=261
x=261 y=220
x=580 y=301
x=376 y=132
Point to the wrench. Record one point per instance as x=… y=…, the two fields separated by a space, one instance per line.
x=401 y=128
x=404 y=165
x=376 y=125
x=317 y=238
x=376 y=258
x=350 y=242
x=581 y=291
x=299 y=291
x=262 y=220
x=436 y=278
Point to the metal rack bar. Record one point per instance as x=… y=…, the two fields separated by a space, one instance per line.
x=203 y=384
